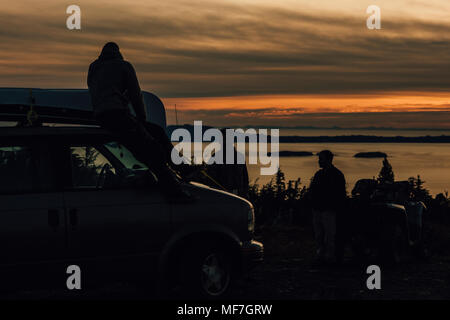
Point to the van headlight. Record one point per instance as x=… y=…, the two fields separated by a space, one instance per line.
x=251 y=219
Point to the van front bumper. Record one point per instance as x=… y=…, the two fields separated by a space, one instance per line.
x=252 y=254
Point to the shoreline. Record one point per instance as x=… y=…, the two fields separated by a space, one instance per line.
x=364 y=139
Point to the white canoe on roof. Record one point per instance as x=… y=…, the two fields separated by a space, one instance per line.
x=72 y=99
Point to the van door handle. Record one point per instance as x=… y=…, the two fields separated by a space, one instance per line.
x=73 y=217
x=53 y=218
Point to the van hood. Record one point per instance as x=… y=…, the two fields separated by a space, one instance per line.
x=213 y=210
x=206 y=193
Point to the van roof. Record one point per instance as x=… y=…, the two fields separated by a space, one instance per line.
x=64 y=105
x=52 y=131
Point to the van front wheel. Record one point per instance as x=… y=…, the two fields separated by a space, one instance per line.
x=207 y=272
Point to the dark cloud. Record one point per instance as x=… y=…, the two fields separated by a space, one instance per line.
x=220 y=49
x=229 y=49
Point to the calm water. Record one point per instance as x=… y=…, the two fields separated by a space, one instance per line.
x=430 y=161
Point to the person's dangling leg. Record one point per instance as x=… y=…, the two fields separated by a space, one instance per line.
x=342 y=236
x=160 y=135
x=155 y=154
x=329 y=218
x=123 y=125
x=319 y=234
x=145 y=148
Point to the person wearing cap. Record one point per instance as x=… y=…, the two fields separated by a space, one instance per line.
x=328 y=195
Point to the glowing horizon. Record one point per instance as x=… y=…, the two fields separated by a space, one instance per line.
x=286 y=109
x=286 y=62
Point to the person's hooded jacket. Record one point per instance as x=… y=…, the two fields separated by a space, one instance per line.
x=113 y=83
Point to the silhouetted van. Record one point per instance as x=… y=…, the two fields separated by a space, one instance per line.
x=74 y=195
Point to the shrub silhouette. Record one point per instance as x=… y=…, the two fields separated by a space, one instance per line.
x=386 y=174
x=278 y=201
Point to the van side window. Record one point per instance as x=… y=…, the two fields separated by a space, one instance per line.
x=89 y=167
x=18 y=170
x=107 y=165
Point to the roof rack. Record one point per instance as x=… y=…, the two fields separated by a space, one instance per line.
x=21 y=113
x=70 y=106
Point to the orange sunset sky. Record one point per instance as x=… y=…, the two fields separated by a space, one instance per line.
x=272 y=63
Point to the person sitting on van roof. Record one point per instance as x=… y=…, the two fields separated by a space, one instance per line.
x=113 y=85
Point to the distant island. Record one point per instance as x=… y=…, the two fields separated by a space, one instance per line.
x=366 y=139
x=333 y=139
x=375 y=154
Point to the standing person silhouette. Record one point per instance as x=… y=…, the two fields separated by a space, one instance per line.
x=113 y=85
x=328 y=195
x=231 y=176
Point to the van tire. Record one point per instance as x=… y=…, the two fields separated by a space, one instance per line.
x=207 y=272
